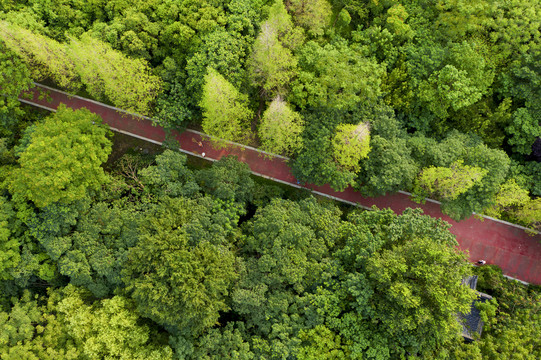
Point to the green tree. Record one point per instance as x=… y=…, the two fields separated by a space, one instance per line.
x=68 y=325
x=108 y=73
x=523 y=131
x=351 y=144
x=95 y=253
x=320 y=343
x=389 y=168
x=45 y=57
x=63 y=160
x=110 y=328
x=513 y=332
x=286 y=253
x=221 y=50
x=180 y=283
x=170 y=176
x=335 y=75
x=14 y=78
x=29 y=331
x=9 y=243
x=481 y=195
x=510 y=197
x=530 y=214
x=272 y=66
x=225 y=112
x=280 y=129
x=229 y=180
x=228 y=342
x=398 y=286
x=448 y=182
x=314 y=162
x=314 y=15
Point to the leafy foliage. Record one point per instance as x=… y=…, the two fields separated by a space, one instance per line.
x=170 y=177
x=335 y=76
x=45 y=57
x=225 y=114
x=62 y=161
x=280 y=129
x=315 y=163
x=389 y=167
x=449 y=183
x=14 y=79
x=272 y=64
x=228 y=180
x=178 y=284
x=108 y=73
x=351 y=144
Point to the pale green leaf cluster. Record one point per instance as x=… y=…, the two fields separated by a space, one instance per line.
x=107 y=73
x=314 y=15
x=225 y=112
x=280 y=129
x=396 y=21
x=14 y=78
x=511 y=196
x=63 y=160
x=449 y=182
x=70 y=326
x=272 y=64
x=351 y=144
x=530 y=213
x=46 y=57
x=108 y=329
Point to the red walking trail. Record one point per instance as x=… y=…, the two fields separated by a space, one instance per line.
x=504 y=244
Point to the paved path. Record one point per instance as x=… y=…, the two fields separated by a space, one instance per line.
x=498 y=242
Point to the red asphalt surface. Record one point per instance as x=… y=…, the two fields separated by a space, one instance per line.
x=517 y=253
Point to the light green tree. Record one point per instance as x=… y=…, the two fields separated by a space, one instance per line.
x=280 y=129
x=351 y=144
x=523 y=131
x=105 y=72
x=510 y=197
x=108 y=329
x=63 y=160
x=45 y=57
x=108 y=73
x=225 y=112
x=225 y=52
x=448 y=183
x=272 y=65
x=14 y=78
x=69 y=325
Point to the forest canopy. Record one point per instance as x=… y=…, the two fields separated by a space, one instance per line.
x=143 y=256
x=148 y=257
x=289 y=77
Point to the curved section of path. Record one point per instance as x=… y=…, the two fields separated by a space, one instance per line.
x=498 y=242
